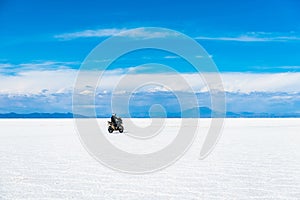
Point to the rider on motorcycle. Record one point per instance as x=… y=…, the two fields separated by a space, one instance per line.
x=114 y=119
x=115 y=124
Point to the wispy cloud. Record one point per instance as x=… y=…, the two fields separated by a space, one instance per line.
x=90 y=33
x=146 y=33
x=123 y=32
x=255 y=37
x=284 y=67
x=48 y=64
x=172 y=57
x=15 y=69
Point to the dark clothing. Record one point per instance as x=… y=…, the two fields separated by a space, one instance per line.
x=113 y=120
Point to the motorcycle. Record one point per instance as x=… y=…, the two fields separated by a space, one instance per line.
x=117 y=127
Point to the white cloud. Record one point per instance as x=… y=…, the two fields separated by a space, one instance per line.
x=15 y=69
x=36 y=82
x=51 y=90
x=171 y=57
x=47 y=64
x=254 y=82
x=295 y=67
x=148 y=33
x=255 y=37
x=48 y=86
x=5 y=65
x=62 y=80
x=239 y=39
x=40 y=77
x=90 y=33
x=152 y=33
x=135 y=33
x=49 y=77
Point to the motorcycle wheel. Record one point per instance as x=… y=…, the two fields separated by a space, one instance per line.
x=121 y=129
x=110 y=129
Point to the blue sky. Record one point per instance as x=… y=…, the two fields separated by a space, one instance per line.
x=27 y=29
x=43 y=43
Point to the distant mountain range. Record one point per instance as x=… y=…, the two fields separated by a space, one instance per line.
x=202 y=112
x=39 y=115
x=205 y=112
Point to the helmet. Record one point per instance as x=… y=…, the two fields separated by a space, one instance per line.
x=114 y=114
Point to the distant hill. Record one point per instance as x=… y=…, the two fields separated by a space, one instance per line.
x=39 y=115
x=262 y=115
x=202 y=112
x=206 y=112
